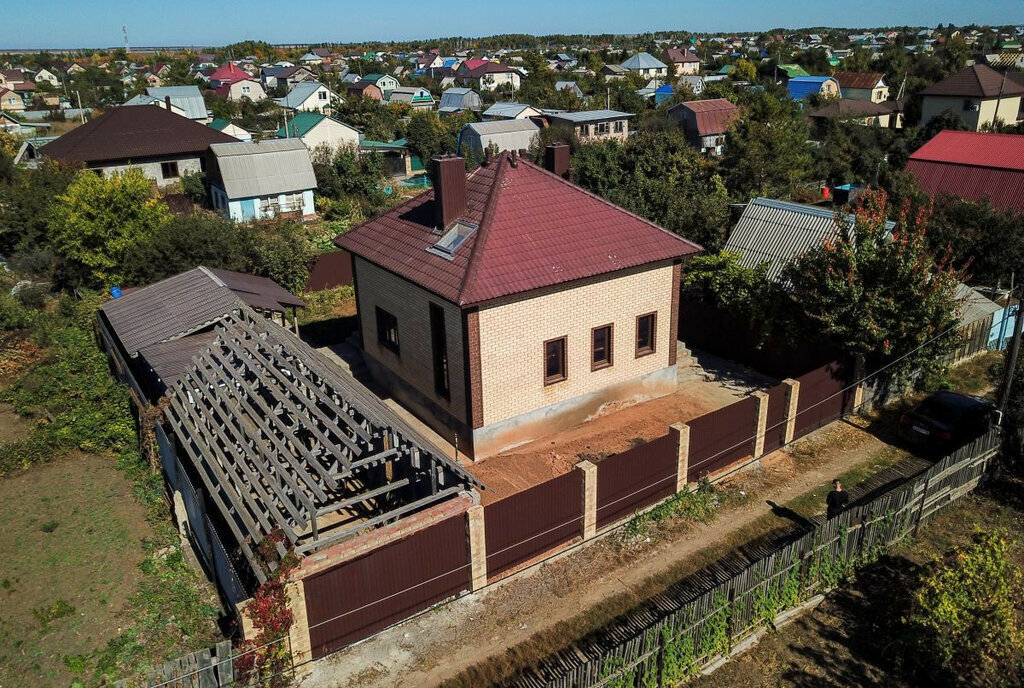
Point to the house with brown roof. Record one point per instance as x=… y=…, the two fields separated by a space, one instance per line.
x=706 y=122
x=887 y=114
x=507 y=303
x=161 y=144
x=683 y=60
x=869 y=86
x=365 y=89
x=977 y=94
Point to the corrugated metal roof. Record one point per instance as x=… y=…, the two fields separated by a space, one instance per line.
x=275 y=166
x=169 y=360
x=975 y=306
x=858 y=80
x=300 y=93
x=508 y=110
x=536 y=230
x=591 y=116
x=643 y=61
x=801 y=87
x=713 y=116
x=982 y=149
x=503 y=126
x=257 y=291
x=188 y=98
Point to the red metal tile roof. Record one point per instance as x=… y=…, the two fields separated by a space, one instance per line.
x=536 y=230
x=976 y=81
x=973 y=166
x=859 y=80
x=713 y=116
x=133 y=133
x=228 y=72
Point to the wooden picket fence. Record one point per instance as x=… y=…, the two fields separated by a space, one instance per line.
x=708 y=616
x=210 y=668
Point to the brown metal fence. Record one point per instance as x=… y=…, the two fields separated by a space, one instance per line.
x=722 y=437
x=358 y=598
x=529 y=523
x=823 y=397
x=636 y=478
x=775 y=427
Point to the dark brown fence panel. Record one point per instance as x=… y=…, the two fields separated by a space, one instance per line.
x=822 y=397
x=529 y=523
x=721 y=438
x=636 y=478
x=775 y=428
x=358 y=598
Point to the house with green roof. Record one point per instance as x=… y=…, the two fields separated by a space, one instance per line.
x=385 y=82
x=791 y=70
x=229 y=128
x=316 y=129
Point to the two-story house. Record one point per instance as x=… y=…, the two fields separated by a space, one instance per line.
x=507 y=303
x=868 y=86
x=595 y=125
x=646 y=65
x=977 y=94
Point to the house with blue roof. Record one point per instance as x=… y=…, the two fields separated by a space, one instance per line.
x=803 y=87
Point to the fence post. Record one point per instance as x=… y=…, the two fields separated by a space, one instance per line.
x=682 y=433
x=760 y=423
x=589 y=497
x=477 y=546
x=920 y=509
x=792 y=401
x=298 y=634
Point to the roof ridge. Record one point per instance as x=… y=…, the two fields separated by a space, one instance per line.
x=484 y=231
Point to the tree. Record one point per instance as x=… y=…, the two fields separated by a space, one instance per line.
x=744 y=70
x=878 y=293
x=99 y=219
x=427 y=137
x=350 y=183
x=280 y=250
x=767 y=152
x=183 y=243
x=25 y=203
x=965 y=624
x=988 y=241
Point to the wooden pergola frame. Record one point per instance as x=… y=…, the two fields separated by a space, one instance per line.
x=281 y=439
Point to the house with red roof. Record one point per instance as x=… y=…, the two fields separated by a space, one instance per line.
x=243 y=88
x=487 y=75
x=974 y=166
x=507 y=303
x=706 y=122
x=977 y=94
x=227 y=73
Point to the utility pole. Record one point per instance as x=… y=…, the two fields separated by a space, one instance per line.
x=1011 y=363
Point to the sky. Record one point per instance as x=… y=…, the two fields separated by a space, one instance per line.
x=91 y=24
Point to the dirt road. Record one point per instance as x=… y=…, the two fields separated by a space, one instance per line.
x=579 y=591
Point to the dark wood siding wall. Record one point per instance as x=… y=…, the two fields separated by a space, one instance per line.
x=358 y=598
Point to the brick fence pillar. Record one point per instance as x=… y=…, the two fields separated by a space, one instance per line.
x=589 y=498
x=760 y=423
x=792 y=400
x=477 y=546
x=858 y=380
x=298 y=634
x=682 y=433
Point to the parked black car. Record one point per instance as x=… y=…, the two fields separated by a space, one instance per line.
x=947 y=420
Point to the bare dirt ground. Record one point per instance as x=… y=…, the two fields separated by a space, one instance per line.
x=71 y=540
x=480 y=637
x=706 y=384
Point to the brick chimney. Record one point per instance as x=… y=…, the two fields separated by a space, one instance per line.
x=167 y=101
x=556 y=159
x=449 y=180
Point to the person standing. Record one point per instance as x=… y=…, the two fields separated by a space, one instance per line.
x=836 y=500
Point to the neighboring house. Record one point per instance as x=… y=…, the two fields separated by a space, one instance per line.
x=399 y=163
x=646 y=65
x=683 y=60
x=507 y=303
x=311 y=59
x=803 y=87
x=706 y=122
x=286 y=75
x=311 y=96
x=259 y=180
x=188 y=98
x=613 y=72
x=165 y=103
x=47 y=76
x=498 y=135
x=316 y=129
x=161 y=144
x=864 y=112
x=570 y=86
x=385 y=82
x=510 y=111
x=973 y=166
x=416 y=96
x=227 y=127
x=13 y=125
x=458 y=100
x=227 y=73
x=869 y=86
x=978 y=95
x=489 y=76
x=694 y=83
x=595 y=125
x=789 y=71
x=244 y=88
x=11 y=101
x=364 y=89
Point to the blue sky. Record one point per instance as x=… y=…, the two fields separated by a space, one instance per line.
x=78 y=23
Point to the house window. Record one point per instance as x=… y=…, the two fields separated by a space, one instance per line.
x=584 y=130
x=322 y=95
x=245 y=89
x=554 y=361
x=646 y=334
x=970 y=106
x=169 y=170
x=601 y=347
x=439 y=351
x=387 y=330
x=602 y=128
x=619 y=126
